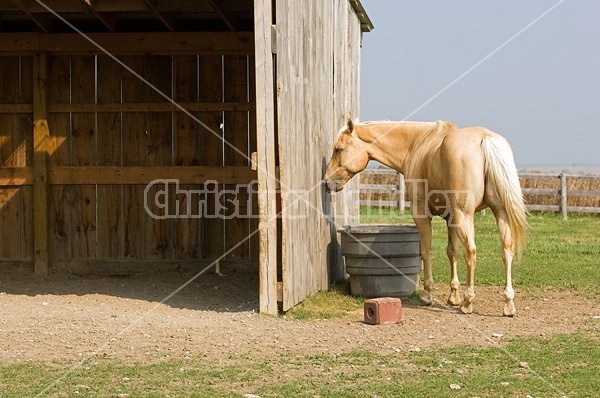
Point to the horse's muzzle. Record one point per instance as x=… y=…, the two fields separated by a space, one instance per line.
x=330 y=185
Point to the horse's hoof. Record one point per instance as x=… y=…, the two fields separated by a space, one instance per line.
x=509 y=309
x=454 y=299
x=426 y=298
x=466 y=308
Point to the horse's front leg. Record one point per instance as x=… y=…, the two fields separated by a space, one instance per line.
x=424 y=226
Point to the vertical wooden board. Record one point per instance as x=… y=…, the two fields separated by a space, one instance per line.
x=26 y=129
x=252 y=142
x=211 y=148
x=266 y=139
x=134 y=154
x=83 y=153
x=188 y=230
x=11 y=155
x=41 y=143
x=109 y=206
x=59 y=88
x=305 y=110
x=286 y=85
x=159 y=143
x=236 y=154
x=346 y=94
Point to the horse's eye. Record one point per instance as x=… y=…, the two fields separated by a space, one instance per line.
x=338 y=150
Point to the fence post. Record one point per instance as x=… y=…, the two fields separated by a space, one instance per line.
x=401 y=203
x=563 y=195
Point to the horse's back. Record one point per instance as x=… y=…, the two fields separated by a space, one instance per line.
x=462 y=164
x=459 y=153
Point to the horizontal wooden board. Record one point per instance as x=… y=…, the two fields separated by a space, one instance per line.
x=12 y=176
x=16 y=108
x=83 y=175
x=130 y=43
x=129 y=175
x=135 y=107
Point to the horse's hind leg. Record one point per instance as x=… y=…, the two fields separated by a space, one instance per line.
x=506 y=249
x=452 y=251
x=465 y=230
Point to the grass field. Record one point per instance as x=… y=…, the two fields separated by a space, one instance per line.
x=564 y=365
x=560 y=255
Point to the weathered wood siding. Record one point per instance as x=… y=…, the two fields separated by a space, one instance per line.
x=317 y=90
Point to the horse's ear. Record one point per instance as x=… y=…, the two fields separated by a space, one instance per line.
x=350 y=126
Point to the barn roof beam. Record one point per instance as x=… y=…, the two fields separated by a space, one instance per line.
x=107 y=20
x=44 y=22
x=168 y=21
x=217 y=8
x=228 y=43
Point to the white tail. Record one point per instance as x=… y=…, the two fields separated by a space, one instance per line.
x=501 y=172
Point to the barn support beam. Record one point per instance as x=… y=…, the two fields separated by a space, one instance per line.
x=265 y=130
x=148 y=43
x=41 y=136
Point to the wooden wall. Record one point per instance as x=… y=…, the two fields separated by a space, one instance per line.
x=317 y=90
x=111 y=134
x=16 y=153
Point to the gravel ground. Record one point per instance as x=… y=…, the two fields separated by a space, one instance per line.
x=67 y=317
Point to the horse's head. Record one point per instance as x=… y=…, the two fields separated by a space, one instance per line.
x=349 y=158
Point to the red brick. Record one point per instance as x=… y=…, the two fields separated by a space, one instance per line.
x=383 y=310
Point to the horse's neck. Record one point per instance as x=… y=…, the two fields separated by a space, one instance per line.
x=393 y=143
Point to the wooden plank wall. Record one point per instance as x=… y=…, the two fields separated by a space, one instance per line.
x=346 y=91
x=103 y=118
x=16 y=139
x=317 y=86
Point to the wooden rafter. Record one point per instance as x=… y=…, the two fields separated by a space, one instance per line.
x=106 y=19
x=167 y=21
x=225 y=18
x=41 y=20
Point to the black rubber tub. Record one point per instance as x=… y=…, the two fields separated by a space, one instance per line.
x=382 y=260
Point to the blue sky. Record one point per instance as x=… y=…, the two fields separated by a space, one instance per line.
x=541 y=90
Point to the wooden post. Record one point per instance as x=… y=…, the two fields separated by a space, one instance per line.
x=41 y=135
x=265 y=148
x=563 y=195
x=401 y=203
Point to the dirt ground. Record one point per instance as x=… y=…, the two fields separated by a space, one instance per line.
x=130 y=319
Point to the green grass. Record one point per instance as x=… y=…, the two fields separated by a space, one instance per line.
x=562 y=254
x=559 y=365
x=326 y=305
x=564 y=365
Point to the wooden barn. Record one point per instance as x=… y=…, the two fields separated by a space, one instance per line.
x=149 y=133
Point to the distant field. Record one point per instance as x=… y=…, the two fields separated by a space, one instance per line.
x=591 y=170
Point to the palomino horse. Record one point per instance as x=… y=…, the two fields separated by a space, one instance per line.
x=449 y=172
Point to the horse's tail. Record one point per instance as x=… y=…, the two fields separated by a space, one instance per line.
x=501 y=172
